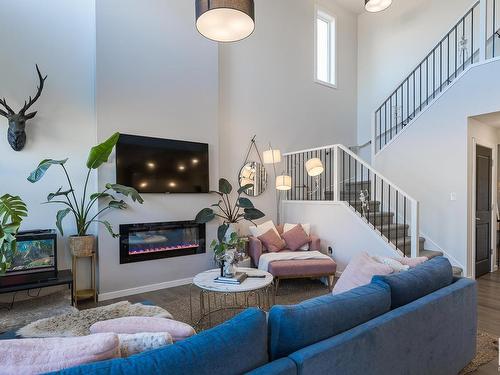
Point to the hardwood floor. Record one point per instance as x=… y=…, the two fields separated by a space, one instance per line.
x=488 y=292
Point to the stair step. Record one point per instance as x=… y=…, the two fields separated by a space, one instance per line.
x=457 y=271
x=395 y=230
x=404 y=243
x=430 y=253
x=373 y=206
x=379 y=218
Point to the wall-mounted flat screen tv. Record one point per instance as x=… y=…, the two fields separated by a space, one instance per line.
x=155 y=165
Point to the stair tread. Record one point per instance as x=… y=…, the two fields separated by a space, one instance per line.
x=430 y=253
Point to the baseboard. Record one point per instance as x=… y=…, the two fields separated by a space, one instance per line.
x=144 y=289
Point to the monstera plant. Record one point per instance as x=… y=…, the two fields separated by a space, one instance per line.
x=230 y=213
x=81 y=207
x=12 y=212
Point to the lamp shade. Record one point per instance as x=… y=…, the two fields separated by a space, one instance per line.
x=283 y=182
x=225 y=20
x=374 y=6
x=314 y=167
x=272 y=156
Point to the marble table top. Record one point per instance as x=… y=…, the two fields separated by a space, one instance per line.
x=206 y=281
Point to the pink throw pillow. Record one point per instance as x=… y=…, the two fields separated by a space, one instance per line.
x=359 y=272
x=272 y=242
x=296 y=237
x=42 y=355
x=138 y=324
x=412 y=262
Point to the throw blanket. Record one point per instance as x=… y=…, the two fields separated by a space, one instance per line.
x=267 y=258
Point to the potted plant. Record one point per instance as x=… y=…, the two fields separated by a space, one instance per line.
x=242 y=209
x=81 y=207
x=12 y=212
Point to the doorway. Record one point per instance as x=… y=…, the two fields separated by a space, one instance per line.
x=484 y=160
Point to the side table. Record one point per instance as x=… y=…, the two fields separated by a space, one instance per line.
x=257 y=290
x=84 y=294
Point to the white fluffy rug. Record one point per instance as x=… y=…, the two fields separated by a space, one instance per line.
x=78 y=323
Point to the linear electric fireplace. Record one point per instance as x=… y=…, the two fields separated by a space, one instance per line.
x=142 y=242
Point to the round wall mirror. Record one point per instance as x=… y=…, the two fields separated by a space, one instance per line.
x=253 y=173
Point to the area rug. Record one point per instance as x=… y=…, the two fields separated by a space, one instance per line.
x=487 y=351
x=27 y=311
x=78 y=323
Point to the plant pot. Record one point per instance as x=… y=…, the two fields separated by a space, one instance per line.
x=82 y=245
x=230 y=230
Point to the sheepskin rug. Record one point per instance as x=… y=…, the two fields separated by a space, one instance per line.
x=78 y=323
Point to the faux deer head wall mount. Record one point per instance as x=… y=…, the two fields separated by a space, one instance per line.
x=16 y=135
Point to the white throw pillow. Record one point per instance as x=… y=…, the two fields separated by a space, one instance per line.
x=261 y=229
x=393 y=263
x=140 y=342
x=307 y=229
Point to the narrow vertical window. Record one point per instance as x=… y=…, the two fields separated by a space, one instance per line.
x=325 y=47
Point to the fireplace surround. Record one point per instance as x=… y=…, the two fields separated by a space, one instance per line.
x=150 y=241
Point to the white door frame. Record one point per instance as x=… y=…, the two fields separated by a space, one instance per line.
x=472 y=249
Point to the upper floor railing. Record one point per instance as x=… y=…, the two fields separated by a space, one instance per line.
x=334 y=173
x=471 y=40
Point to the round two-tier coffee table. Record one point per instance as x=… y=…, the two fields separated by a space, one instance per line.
x=227 y=299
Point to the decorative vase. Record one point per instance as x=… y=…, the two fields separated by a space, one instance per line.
x=230 y=230
x=229 y=268
x=82 y=245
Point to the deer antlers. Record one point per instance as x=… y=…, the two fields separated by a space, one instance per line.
x=27 y=104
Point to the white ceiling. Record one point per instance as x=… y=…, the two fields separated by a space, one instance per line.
x=356 y=6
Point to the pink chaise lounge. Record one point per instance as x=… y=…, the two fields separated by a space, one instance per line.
x=295 y=269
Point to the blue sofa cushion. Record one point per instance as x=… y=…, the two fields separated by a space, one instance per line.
x=234 y=347
x=418 y=282
x=283 y=366
x=294 y=327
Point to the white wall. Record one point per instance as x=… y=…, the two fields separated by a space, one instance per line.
x=392 y=43
x=156 y=76
x=429 y=159
x=61 y=39
x=268 y=89
x=338 y=227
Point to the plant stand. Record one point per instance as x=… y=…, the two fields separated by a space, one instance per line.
x=84 y=294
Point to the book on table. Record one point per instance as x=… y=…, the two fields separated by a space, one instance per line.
x=237 y=279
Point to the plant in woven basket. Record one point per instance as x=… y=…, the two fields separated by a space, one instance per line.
x=12 y=212
x=81 y=207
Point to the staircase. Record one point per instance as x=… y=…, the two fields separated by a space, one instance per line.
x=384 y=221
x=383 y=206
x=472 y=40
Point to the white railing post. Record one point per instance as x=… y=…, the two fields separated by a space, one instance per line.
x=483 y=29
x=415 y=229
x=336 y=173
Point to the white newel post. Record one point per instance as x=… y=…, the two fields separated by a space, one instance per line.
x=483 y=29
x=336 y=173
x=415 y=229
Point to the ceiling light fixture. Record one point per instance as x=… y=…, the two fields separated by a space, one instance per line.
x=225 y=20
x=374 y=6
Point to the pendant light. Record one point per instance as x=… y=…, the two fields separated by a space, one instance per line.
x=374 y=6
x=225 y=20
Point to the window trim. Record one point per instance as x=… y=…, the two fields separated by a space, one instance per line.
x=326 y=15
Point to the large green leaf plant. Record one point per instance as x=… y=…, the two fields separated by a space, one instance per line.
x=241 y=209
x=81 y=208
x=12 y=212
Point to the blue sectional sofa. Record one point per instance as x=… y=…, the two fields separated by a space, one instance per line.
x=422 y=321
